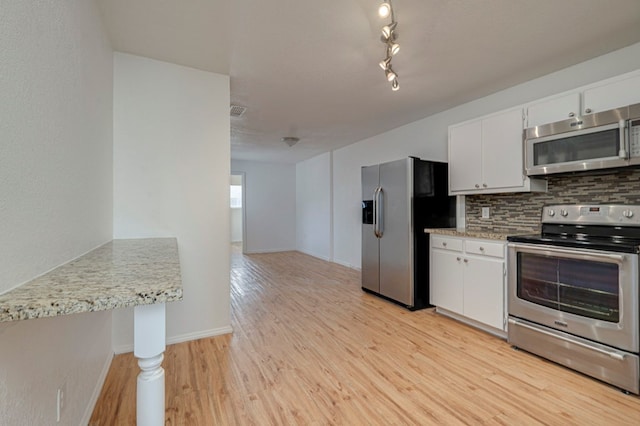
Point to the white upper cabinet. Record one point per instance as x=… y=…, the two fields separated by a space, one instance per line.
x=554 y=109
x=502 y=150
x=465 y=146
x=486 y=156
x=612 y=95
x=602 y=96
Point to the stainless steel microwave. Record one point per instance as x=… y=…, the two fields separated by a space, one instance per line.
x=608 y=139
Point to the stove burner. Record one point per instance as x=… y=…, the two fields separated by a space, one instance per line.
x=611 y=229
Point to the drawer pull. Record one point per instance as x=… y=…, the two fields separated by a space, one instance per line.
x=458 y=259
x=444 y=244
x=481 y=248
x=466 y=261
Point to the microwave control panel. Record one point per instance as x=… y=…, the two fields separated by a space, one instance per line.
x=634 y=138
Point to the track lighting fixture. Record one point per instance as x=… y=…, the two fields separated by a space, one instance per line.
x=389 y=37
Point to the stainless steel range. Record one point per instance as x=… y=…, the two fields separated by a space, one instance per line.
x=573 y=291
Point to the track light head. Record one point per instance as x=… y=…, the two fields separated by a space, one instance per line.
x=387 y=31
x=395 y=86
x=390 y=75
x=394 y=48
x=385 y=63
x=384 y=10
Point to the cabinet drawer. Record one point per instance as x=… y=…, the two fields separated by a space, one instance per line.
x=446 y=243
x=484 y=248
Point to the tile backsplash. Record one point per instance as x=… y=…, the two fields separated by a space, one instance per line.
x=521 y=211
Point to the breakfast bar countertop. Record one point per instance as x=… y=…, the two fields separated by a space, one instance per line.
x=118 y=274
x=488 y=234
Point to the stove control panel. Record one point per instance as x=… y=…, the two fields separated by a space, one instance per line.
x=592 y=214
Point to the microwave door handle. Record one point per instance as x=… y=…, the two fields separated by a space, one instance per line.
x=624 y=139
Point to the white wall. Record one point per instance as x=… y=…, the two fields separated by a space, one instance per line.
x=270 y=208
x=427 y=138
x=55 y=198
x=171 y=178
x=313 y=206
x=236 y=225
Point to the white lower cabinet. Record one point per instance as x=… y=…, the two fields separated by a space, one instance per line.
x=467 y=278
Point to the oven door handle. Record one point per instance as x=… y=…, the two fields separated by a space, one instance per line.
x=615 y=355
x=570 y=253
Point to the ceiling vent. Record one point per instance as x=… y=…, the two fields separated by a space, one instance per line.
x=236 y=110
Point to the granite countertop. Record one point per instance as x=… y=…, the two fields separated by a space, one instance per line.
x=488 y=234
x=118 y=274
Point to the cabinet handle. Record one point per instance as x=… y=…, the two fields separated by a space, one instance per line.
x=481 y=248
x=484 y=185
x=458 y=259
x=572 y=114
x=477 y=186
x=444 y=244
x=466 y=261
x=588 y=110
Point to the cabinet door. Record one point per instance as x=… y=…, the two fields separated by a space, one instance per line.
x=553 y=110
x=502 y=158
x=612 y=95
x=483 y=295
x=445 y=286
x=465 y=147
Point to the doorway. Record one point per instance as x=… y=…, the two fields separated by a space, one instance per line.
x=237 y=207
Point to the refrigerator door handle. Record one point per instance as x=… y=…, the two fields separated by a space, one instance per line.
x=375 y=212
x=380 y=214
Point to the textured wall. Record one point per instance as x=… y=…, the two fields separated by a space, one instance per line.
x=56 y=74
x=522 y=211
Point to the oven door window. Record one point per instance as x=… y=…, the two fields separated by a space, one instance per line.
x=582 y=287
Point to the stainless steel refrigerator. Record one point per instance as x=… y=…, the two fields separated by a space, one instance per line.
x=400 y=199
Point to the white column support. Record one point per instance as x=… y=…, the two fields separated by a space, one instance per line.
x=149 y=345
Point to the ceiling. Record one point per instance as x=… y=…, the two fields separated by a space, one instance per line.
x=309 y=69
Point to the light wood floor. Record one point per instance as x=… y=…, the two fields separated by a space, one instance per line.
x=309 y=347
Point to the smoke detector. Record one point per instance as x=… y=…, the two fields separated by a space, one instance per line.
x=236 y=110
x=290 y=140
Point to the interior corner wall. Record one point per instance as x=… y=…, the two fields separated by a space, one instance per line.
x=171 y=179
x=270 y=205
x=427 y=139
x=55 y=198
x=313 y=206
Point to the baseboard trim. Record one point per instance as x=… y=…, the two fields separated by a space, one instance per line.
x=200 y=335
x=484 y=327
x=269 y=251
x=348 y=265
x=181 y=338
x=96 y=390
x=326 y=258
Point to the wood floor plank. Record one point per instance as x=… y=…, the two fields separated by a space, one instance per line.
x=310 y=348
